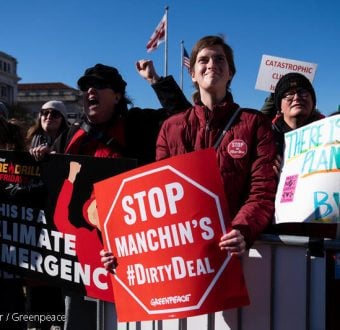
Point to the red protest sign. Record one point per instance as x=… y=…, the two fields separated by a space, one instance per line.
x=163 y=222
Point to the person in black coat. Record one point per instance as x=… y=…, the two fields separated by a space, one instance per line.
x=111 y=129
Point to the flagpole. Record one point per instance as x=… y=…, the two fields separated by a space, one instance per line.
x=182 y=56
x=166 y=43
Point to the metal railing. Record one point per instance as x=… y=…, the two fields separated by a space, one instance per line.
x=286 y=278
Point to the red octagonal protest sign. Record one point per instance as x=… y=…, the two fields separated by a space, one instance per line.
x=163 y=224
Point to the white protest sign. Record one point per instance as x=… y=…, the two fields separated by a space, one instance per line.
x=273 y=68
x=309 y=186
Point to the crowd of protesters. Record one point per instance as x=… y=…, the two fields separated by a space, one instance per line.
x=109 y=128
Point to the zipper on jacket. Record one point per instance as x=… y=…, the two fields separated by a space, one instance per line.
x=208 y=114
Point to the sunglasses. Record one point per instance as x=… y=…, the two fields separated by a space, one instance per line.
x=52 y=113
x=97 y=84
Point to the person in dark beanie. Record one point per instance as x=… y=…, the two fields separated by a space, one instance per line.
x=292 y=82
x=295 y=102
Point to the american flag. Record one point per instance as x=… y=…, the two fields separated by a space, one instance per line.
x=158 y=36
x=186 y=58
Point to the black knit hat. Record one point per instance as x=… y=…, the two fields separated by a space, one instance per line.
x=106 y=74
x=291 y=81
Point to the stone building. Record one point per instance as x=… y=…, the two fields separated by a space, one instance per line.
x=8 y=79
x=32 y=96
x=29 y=97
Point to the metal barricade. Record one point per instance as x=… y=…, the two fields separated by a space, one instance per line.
x=287 y=284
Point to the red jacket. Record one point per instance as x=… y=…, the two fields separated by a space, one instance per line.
x=245 y=157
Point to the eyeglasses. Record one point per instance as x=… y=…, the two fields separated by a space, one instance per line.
x=97 y=84
x=52 y=113
x=288 y=96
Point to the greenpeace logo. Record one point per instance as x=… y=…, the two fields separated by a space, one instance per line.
x=170 y=300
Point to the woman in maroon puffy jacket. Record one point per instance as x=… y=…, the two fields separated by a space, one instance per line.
x=246 y=152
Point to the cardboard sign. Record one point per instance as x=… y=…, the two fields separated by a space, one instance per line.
x=163 y=222
x=273 y=68
x=45 y=228
x=309 y=187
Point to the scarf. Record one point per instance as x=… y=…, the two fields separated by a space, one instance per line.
x=107 y=143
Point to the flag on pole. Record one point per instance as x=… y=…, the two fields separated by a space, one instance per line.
x=185 y=61
x=158 y=35
x=186 y=58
